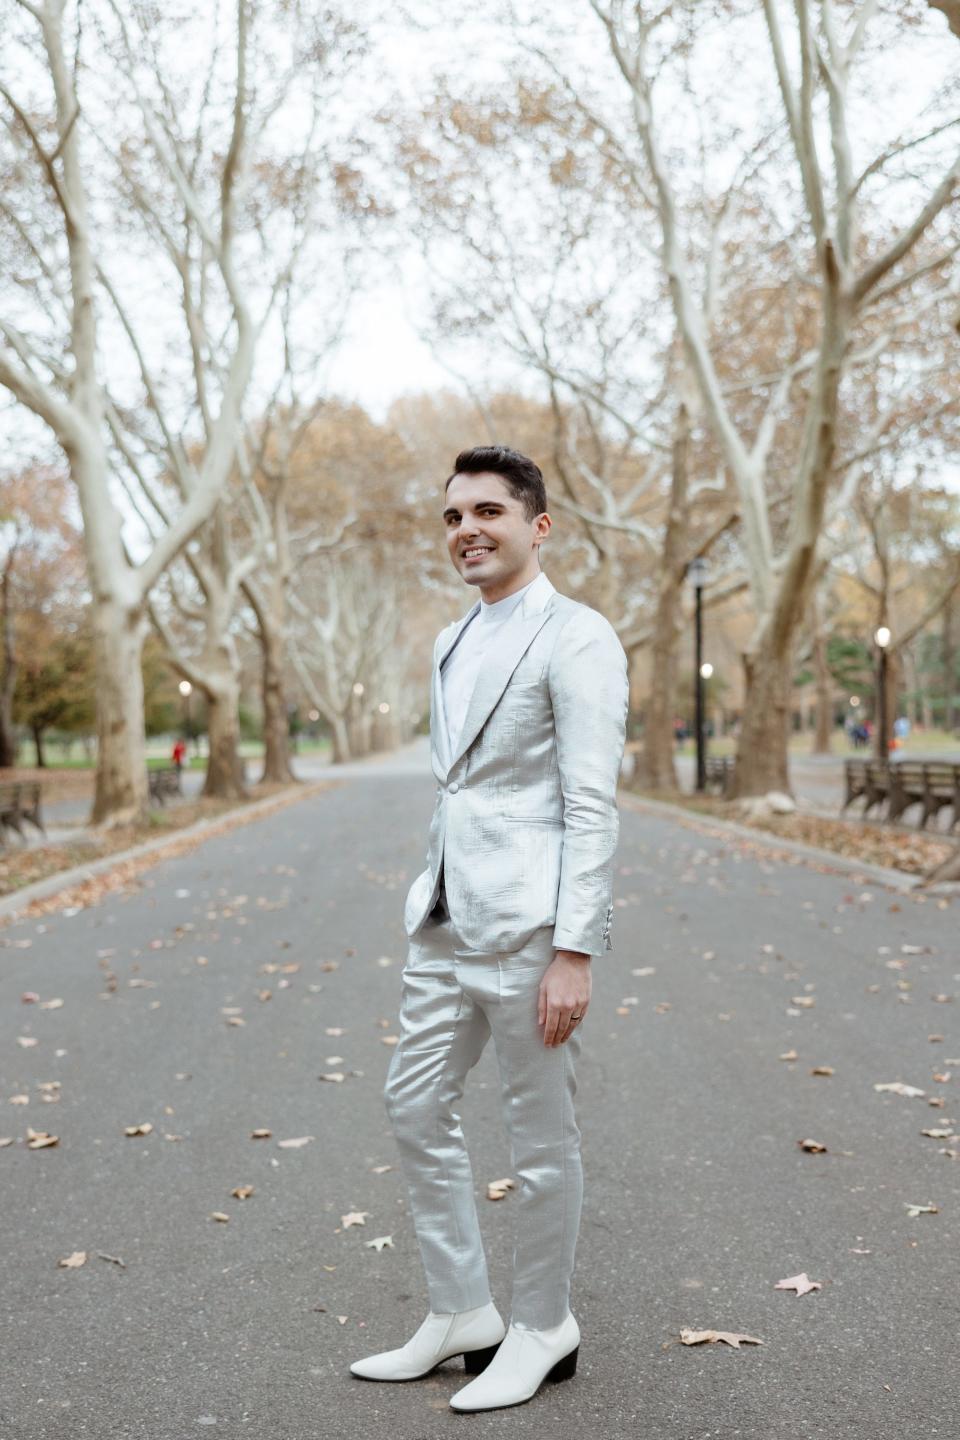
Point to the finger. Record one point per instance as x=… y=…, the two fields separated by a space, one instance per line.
x=553 y=1026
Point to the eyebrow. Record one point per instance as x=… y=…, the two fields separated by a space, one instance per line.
x=480 y=505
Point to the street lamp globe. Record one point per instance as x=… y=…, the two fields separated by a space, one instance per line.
x=882 y=636
x=185 y=688
x=706 y=669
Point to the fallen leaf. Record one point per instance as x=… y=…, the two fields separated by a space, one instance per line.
x=40 y=1139
x=801 y=1283
x=354 y=1217
x=812 y=1146
x=921 y=1209
x=74 y=1261
x=242 y=1192
x=219 y=1215
x=496 y=1189
x=898 y=1088
x=379 y=1242
x=295 y=1144
x=143 y=1129
x=699 y=1337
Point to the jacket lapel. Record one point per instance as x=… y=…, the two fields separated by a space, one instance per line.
x=438 y=714
x=498 y=665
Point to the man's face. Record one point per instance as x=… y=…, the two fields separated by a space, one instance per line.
x=481 y=514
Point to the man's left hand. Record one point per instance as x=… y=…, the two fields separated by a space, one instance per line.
x=564 y=992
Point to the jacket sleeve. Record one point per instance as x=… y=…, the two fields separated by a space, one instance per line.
x=590 y=693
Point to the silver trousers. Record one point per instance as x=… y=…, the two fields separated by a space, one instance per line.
x=452 y=1000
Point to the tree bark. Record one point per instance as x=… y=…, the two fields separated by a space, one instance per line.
x=224 y=778
x=8 y=741
x=276 y=729
x=823 y=731
x=762 y=750
x=951 y=711
x=120 y=795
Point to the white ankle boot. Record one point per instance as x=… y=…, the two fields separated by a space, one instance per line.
x=474 y=1334
x=523 y=1361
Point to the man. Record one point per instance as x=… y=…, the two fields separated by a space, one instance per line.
x=527 y=722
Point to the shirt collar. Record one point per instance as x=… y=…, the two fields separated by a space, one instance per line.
x=500 y=609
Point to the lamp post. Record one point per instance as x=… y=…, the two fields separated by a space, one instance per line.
x=186 y=690
x=882 y=637
x=697 y=575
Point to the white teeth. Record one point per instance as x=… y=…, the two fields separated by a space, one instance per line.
x=481 y=550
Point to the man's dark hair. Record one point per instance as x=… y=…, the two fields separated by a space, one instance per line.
x=523 y=478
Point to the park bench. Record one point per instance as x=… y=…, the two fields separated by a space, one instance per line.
x=164 y=780
x=932 y=784
x=867 y=779
x=718 y=772
x=20 y=800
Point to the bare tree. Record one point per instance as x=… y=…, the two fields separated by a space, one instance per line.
x=855 y=276
x=182 y=172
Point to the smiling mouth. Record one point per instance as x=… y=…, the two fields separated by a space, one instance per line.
x=479 y=553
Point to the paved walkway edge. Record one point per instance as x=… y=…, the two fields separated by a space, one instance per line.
x=78 y=874
x=879 y=874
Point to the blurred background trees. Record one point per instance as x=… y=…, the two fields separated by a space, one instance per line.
x=698 y=259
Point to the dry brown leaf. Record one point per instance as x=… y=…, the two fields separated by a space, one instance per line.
x=242 y=1192
x=219 y=1215
x=822 y=1070
x=801 y=1283
x=143 y=1129
x=354 y=1217
x=496 y=1189
x=260 y=1134
x=813 y=1147
x=40 y=1139
x=296 y=1143
x=699 y=1337
x=74 y=1261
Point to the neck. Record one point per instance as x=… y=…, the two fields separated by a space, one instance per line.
x=507 y=587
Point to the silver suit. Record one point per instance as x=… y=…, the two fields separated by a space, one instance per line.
x=519 y=865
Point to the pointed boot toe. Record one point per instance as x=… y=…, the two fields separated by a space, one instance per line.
x=474 y=1334
x=522 y=1363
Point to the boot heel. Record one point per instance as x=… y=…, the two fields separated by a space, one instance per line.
x=566 y=1367
x=476 y=1360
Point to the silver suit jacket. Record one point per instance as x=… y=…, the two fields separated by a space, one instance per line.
x=525 y=825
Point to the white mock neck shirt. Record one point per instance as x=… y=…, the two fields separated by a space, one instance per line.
x=459 y=674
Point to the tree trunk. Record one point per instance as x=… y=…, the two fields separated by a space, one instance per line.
x=120 y=795
x=276 y=730
x=224 y=777
x=38 y=743
x=8 y=743
x=341 y=739
x=823 y=733
x=762 y=762
x=655 y=762
x=951 y=710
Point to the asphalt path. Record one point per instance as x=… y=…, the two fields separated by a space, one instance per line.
x=698 y=1196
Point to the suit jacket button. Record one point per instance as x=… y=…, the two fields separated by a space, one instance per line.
x=453 y=787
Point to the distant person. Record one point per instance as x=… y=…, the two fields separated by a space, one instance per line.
x=179 y=754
